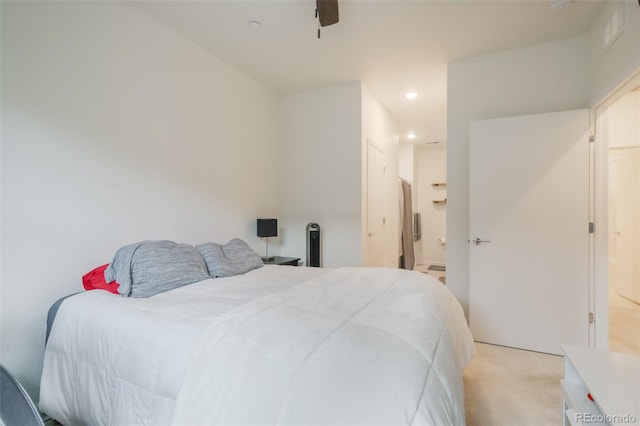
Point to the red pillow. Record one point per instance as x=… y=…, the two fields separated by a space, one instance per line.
x=94 y=280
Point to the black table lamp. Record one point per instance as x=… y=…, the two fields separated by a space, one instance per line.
x=267 y=228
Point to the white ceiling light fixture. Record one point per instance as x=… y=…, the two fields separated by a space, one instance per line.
x=255 y=25
x=411 y=135
x=411 y=95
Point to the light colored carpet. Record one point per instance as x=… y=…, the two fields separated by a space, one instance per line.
x=506 y=386
x=624 y=324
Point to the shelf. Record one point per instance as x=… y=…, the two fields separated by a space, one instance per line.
x=612 y=380
x=575 y=396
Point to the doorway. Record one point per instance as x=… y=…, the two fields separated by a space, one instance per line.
x=431 y=208
x=623 y=137
x=376 y=170
x=617 y=130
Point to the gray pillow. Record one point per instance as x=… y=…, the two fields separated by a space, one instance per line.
x=151 y=267
x=233 y=258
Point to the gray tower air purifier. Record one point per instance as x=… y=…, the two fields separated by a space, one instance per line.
x=313 y=245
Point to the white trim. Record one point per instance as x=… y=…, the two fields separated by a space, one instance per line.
x=592 y=237
x=600 y=286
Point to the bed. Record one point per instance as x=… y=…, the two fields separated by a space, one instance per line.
x=274 y=345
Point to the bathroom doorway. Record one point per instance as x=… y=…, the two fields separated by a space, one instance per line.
x=431 y=207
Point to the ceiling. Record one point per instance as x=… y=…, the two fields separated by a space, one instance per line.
x=392 y=46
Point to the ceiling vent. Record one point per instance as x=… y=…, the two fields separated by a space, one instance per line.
x=558 y=5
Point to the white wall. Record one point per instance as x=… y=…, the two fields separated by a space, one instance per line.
x=320 y=173
x=431 y=167
x=406 y=162
x=623 y=119
x=379 y=127
x=542 y=78
x=323 y=146
x=116 y=129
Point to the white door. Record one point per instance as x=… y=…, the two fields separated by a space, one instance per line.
x=375 y=204
x=529 y=196
x=625 y=222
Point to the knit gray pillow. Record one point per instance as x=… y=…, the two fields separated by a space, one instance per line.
x=150 y=267
x=233 y=258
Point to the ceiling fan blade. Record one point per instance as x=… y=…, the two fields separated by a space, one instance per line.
x=327 y=12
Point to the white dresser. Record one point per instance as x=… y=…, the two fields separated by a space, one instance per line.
x=613 y=381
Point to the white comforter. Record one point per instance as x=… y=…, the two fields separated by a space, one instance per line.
x=277 y=345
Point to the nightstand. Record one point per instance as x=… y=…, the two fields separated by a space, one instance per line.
x=613 y=381
x=281 y=260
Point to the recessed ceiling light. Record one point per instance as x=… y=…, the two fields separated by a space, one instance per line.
x=411 y=95
x=411 y=135
x=255 y=25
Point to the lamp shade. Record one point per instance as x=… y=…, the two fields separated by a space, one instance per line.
x=267 y=227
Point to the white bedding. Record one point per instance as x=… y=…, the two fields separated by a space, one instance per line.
x=278 y=345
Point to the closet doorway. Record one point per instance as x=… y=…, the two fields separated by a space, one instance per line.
x=430 y=202
x=376 y=170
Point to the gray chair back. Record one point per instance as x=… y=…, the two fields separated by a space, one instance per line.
x=16 y=408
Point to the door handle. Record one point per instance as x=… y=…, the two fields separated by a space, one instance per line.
x=371 y=234
x=478 y=241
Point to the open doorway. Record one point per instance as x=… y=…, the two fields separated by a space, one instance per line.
x=617 y=132
x=623 y=138
x=430 y=202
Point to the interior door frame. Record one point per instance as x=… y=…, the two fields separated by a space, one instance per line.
x=599 y=303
